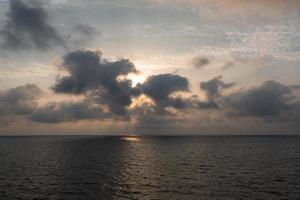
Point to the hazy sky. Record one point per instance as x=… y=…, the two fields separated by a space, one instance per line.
x=149 y=67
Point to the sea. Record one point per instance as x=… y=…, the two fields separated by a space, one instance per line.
x=149 y=167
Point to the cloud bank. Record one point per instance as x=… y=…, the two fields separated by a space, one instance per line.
x=106 y=93
x=269 y=99
x=67 y=112
x=19 y=101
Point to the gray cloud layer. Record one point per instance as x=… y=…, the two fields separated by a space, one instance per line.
x=27 y=26
x=66 y=112
x=269 y=99
x=19 y=101
x=108 y=94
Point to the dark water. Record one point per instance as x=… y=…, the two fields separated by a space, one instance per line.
x=149 y=168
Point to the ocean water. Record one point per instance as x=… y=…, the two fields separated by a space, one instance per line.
x=90 y=167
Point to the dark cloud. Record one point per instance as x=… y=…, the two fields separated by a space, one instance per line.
x=82 y=34
x=90 y=74
x=208 y=105
x=199 y=62
x=85 y=29
x=295 y=87
x=291 y=115
x=269 y=99
x=27 y=26
x=213 y=90
x=149 y=120
x=272 y=102
x=160 y=89
x=105 y=82
x=67 y=112
x=19 y=101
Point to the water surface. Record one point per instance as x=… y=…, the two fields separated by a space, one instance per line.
x=90 y=167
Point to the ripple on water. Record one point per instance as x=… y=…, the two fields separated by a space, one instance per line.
x=149 y=168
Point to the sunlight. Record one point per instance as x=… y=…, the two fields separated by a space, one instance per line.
x=131 y=138
x=136 y=79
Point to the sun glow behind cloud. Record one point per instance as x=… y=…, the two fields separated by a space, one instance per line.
x=136 y=79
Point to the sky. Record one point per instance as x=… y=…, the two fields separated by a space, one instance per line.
x=149 y=67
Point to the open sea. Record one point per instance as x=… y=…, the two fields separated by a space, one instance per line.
x=184 y=167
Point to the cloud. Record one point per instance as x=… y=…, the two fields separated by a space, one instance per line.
x=85 y=29
x=241 y=8
x=19 y=101
x=160 y=88
x=66 y=112
x=292 y=114
x=199 y=62
x=269 y=99
x=23 y=101
x=27 y=27
x=213 y=90
x=295 y=87
x=208 y=105
x=272 y=102
x=97 y=77
x=82 y=34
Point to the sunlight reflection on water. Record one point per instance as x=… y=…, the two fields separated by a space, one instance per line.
x=131 y=138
